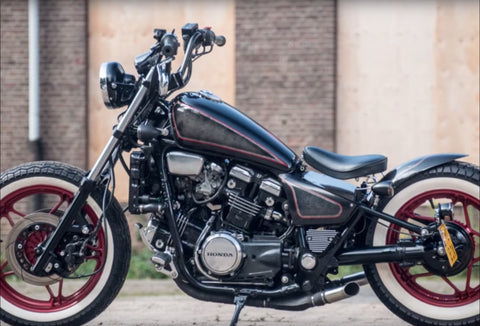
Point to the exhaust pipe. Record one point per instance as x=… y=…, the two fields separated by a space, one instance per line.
x=348 y=287
x=317 y=299
x=340 y=293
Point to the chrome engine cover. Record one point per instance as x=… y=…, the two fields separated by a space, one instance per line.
x=184 y=163
x=221 y=253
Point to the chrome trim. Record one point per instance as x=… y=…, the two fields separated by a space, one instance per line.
x=243 y=204
x=242 y=173
x=163 y=77
x=308 y=261
x=103 y=82
x=161 y=264
x=187 y=56
x=198 y=264
x=340 y=293
x=319 y=240
x=271 y=186
x=183 y=163
x=209 y=95
x=143 y=236
x=232 y=265
x=277 y=216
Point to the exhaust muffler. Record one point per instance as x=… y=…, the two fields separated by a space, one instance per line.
x=340 y=293
x=345 y=288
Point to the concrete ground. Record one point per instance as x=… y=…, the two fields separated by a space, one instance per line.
x=159 y=303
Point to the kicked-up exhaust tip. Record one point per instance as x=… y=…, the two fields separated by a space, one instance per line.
x=341 y=292
x=352 y=289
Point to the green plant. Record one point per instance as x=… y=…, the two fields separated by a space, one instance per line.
x=346 y=270
x=141 y=267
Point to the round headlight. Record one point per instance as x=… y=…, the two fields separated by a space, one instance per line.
x=117 y=87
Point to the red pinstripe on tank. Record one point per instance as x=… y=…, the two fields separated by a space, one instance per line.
x=273 y=157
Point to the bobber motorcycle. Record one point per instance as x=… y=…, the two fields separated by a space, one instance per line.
x=234 y=215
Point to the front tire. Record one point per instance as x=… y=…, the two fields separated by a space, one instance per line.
x=412 y=292
x=58 y=302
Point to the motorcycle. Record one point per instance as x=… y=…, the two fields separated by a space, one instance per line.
x=234 y=215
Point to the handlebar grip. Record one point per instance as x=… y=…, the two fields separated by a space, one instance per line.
x=220 y=40
x=169 y=45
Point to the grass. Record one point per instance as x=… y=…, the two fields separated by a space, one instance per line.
x=141 y=267
x=346 y=270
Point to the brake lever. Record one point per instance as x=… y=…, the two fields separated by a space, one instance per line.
x=204 y=51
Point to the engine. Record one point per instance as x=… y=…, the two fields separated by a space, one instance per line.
x=248 y=199
x=231 y=218
x=243 y=244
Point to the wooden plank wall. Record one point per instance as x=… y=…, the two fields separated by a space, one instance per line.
x=408 y=78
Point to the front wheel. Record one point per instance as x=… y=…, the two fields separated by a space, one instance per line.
x=33 y=198
x=414 y=292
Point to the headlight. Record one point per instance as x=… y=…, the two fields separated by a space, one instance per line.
x=118 y=88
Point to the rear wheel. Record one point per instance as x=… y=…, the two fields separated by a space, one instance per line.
x=416 y=293
x=33 y=198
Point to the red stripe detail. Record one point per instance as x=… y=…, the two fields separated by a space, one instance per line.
x=289 y=184
x=274 y=159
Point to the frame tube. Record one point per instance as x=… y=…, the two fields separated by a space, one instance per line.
x=382 y=254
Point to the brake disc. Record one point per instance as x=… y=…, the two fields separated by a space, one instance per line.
x=22 y=241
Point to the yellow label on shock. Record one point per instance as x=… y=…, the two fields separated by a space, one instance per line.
x=448 y=244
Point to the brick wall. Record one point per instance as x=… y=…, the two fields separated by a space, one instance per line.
x=285 y=66
x=14 y=83
x=285 y=73
x=62 y=78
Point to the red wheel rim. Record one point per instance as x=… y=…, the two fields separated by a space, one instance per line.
x=57 y=300
x=409 y=280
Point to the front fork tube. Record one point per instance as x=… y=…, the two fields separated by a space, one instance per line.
x=46 y=250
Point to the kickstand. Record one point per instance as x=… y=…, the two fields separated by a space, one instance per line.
x=239 y=301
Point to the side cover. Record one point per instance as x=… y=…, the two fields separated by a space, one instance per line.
x=207 y=123
x=317 y=199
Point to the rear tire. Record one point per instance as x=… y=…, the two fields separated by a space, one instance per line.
x=410 y=301
x=115 y=255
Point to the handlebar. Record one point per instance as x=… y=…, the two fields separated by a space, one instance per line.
x=169 y=45
x=195 y=38
x=166 y=48
x=210 y=38
x=220 y=40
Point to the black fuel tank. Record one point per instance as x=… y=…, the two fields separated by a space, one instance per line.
x=203 y=121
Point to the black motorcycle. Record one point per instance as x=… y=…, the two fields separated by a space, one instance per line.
x=234 y=215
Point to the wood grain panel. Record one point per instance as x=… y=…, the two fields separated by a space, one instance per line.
x=408 y=78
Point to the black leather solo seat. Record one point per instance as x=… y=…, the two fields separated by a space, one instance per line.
x=343 y=166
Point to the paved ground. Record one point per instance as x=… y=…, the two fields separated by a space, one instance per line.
x=159 y=303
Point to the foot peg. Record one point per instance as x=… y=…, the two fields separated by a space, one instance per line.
x=239 y=302
x=164 y=264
